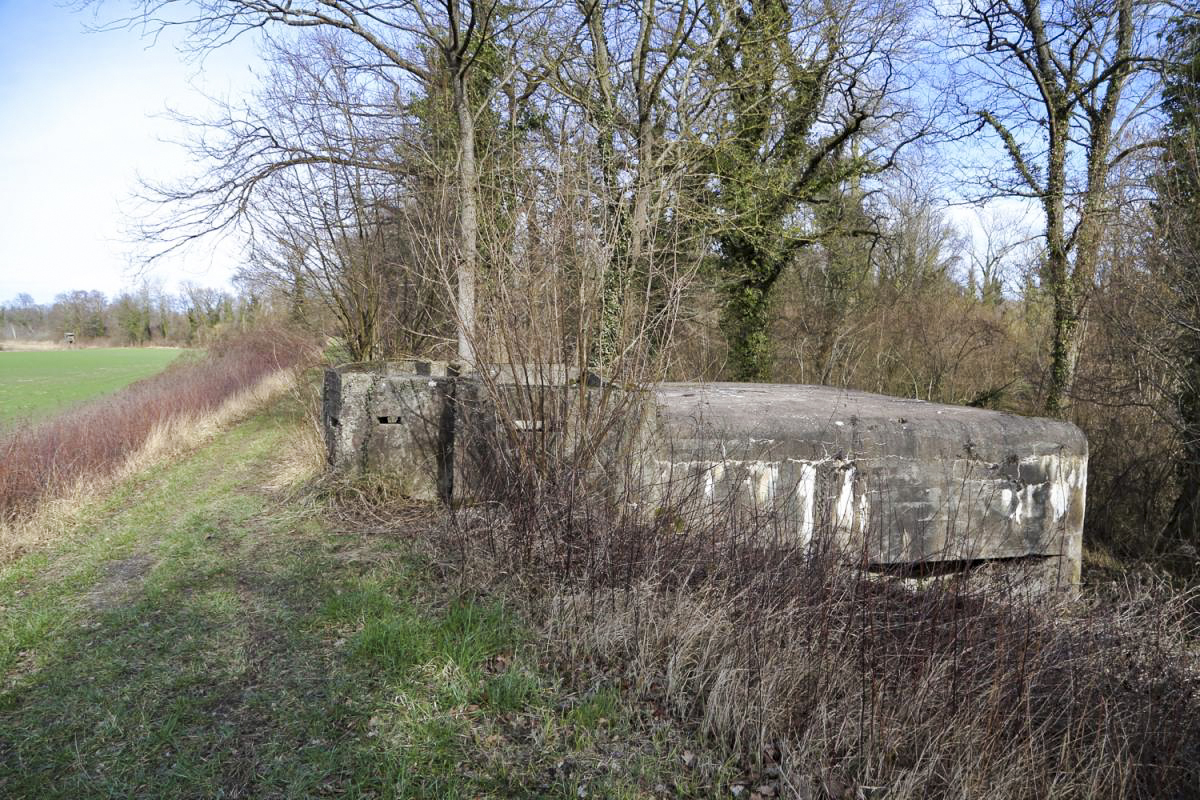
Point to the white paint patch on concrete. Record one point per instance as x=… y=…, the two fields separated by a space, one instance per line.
x=1058 y=499
x=844 y=509
x=1068 y=475
x=1074 y=544
x=1026 y=503
x=766 y=477
x=806 y=499
x=1065 y=478
x=1015 y=505
x=713 y=474
x=761 y=477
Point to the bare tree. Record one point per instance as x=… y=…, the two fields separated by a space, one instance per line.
x=1003 y=242
x=387 y=40
x=635 y=81
x=1061 y=86
x=330 y=227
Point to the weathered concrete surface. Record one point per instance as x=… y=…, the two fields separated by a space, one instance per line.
x=391 y=421
x=900 y=481
x=893 y=482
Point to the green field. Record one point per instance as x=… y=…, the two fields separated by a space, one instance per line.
x=34 y=384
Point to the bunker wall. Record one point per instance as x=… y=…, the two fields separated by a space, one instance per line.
x=898 y=483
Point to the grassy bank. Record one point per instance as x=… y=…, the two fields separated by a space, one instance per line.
x=206 y=634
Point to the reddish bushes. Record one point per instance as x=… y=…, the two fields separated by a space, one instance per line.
x=97 y=437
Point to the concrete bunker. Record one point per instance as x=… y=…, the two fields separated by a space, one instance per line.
x=903 y=485
x=394 y=420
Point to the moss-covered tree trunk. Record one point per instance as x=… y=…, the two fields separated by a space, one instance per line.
x=774 y=158
x=751 y=272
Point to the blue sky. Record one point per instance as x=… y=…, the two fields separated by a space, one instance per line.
x=80 y=120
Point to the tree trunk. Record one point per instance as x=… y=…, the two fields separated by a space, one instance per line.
x=468 y=222
x=1185 y=517
x=612 y=311
x=1064 y=350
x=1064 y=344
x=745 y=318
x=633 y=225
x=746 y=323
x=612 y=280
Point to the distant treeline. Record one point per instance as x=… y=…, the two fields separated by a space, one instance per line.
x=145 y=315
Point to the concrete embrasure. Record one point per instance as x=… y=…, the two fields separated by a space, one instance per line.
x=897 y=482
x=391 y=423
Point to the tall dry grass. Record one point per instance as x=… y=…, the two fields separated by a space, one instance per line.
x=45 y=459
x=967 y=686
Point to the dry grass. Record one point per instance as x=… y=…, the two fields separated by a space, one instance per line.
x=30 y=345
x=955 y=689
x=838 y=681
x=301 y=462
x=907 y=692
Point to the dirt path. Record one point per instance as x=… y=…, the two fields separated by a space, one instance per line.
x=142 y=649
x=204 y=637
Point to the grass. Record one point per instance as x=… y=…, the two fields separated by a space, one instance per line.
x=204 y=635
x=34 y=385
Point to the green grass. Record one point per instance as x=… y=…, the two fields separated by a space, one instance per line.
x=36 y=384
x=204 y=637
